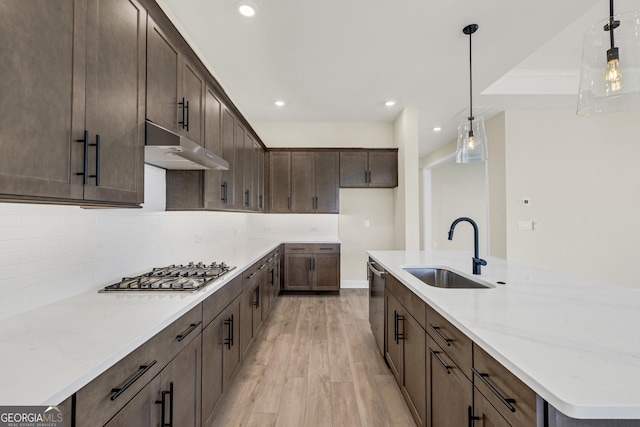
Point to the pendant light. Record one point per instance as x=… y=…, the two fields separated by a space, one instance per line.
x=472 y=139
x=610 y=78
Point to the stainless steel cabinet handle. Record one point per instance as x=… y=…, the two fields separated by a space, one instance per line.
x=382 y=274
x=507 y=401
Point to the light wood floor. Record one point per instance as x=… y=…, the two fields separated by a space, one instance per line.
x=315 y=363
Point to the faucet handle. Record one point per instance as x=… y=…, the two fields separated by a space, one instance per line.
x=479 y=261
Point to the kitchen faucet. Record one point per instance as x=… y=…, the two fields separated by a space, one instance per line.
x=477 y=262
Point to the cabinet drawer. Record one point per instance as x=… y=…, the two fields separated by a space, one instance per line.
x=102 y=398
x=217 y=302
x=456 y=344
x=312 y=248
x=511 y=397
x=414 y=305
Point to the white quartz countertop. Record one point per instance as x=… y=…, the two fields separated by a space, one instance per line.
x=575 y=342
x=49 y=353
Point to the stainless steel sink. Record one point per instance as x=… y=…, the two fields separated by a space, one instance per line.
x=443 y=278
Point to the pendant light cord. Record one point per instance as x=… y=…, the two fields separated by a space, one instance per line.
x=612 y=23
x=471 y=81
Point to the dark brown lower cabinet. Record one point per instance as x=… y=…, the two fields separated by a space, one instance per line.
x=142 y=410
x=250 y=310
x=312 y=267
x=181 y=388
x=449 y=391
x=406 y=356
x=220 y=357
x=485 y=415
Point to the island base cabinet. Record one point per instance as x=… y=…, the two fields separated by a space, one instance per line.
x=449 y=391
x=406 y=356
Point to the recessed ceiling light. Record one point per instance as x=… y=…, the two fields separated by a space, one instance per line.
x=247 y=9
x=390 y=103
x=437 y=129
x=279 y=103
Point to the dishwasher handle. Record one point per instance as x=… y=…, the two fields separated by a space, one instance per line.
x=380 y=274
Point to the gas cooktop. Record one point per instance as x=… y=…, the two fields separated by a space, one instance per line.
x=184 y=278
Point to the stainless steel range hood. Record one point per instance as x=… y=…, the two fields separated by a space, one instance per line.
x=168 y=150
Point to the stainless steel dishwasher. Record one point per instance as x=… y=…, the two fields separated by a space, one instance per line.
x=377 y=317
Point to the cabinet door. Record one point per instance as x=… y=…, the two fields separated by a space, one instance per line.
x=257 y=305
x=249 y=171
x=353 y=169
x=232 y=356
x=162 y=78
x=258 y=177
x=182 y=377
x=326 y=271
x=383 y=169
x=303 y=182
x=212 y=359
x=213 y=189
x=193 y=94
x=115 y=99
x=40 y=156
x=279 y=181
x=239 y=141
x=297 y=272
x=265 y=292
x=229 y=154
x=327 y=170
x=449 y=391
x=142 y=410
x=246 y=319
x=485 y=414
x=414 y=339
x=395 y=357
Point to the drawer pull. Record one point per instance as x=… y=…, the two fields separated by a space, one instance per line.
x=436 y=329
x=229 y=341
x=251 y=275
x=507 y=402
x=143 y=369
x=163 y=403
x=435 y=354
x=326 y=249
x=192 y=327
x=263 y=266
x=471 y=417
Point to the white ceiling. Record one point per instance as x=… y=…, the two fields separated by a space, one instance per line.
x=340 y=60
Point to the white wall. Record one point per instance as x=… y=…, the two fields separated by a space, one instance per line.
x=48 y=253
x=331 y=135
x=356 y=205
x=458 y=190
x=407 y=194
x=582 y=177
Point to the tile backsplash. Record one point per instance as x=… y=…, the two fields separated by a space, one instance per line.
x=48 y=252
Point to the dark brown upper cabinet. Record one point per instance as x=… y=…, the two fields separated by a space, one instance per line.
x=249 y=167
x=279 y=181
x=213 y=188
x=314 y=179
x=369 y=168
x=175 y=84
x=258 y=177
x=71 y=127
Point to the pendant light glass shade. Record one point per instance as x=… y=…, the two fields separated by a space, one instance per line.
x=610 y=78
x=472 y=141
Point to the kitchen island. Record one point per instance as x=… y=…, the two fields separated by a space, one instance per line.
x=573 y=341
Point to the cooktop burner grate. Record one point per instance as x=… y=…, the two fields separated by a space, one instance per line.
x=189 y=278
